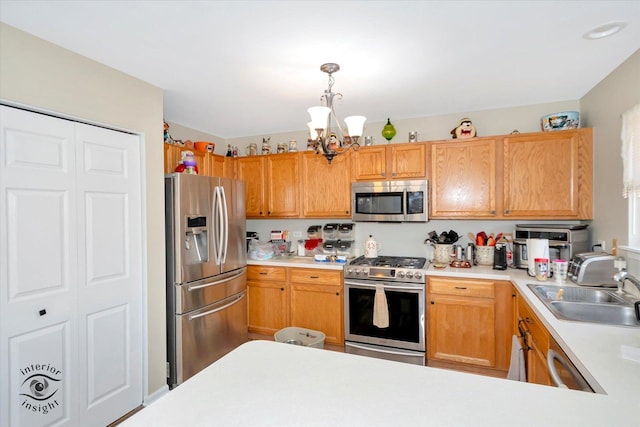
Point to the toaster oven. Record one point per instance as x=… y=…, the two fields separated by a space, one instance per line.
x=564 y=241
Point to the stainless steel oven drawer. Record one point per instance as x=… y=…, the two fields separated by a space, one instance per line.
x=387 y=353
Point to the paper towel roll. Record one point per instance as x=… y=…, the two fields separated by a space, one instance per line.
x=536 y=248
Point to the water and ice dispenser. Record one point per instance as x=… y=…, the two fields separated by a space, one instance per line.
x=196 y=240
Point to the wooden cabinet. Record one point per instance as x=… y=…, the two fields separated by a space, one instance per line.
x=543 y=175
x=316 y=302
x=535 y=341
x=303 y=297
x=548 y=174
x=208 y=164
x=271 y=185
x=463 y=178
x=396 y=161
x=327 y=187
x=282 y=176
x=267 y=299
x=469 y=324
x=251 y=171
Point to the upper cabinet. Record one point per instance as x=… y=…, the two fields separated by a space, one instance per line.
x=463 y=178
x=548 y=175
x=327 y=187
x=208 y=164
x=543 y=175
x=271 y=185
x=395 y=161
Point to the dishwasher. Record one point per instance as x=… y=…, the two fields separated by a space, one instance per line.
x=563 y=373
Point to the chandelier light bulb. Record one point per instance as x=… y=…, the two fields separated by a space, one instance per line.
x=319 y=117
x=312 y=132
x=355 y=125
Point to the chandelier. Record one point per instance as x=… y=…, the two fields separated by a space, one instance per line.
x=322 y=139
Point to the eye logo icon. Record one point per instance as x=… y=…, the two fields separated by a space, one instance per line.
x=39 y=387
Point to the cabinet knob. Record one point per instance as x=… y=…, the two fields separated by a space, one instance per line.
x=42 y=312
x=432 y=302
x=347 y=212
x=260 y=212
x=282 y=289
x=393 y=174
x=337 y=294
x=506 y=211
x=268 y=212
x=493 y=212
x=382 y=174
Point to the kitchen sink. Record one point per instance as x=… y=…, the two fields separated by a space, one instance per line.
x=586 y=304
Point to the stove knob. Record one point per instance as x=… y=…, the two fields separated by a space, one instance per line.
x=357 y=271
x=409 y=274
x=401 y=274
x=418 y=275
x=349 y=271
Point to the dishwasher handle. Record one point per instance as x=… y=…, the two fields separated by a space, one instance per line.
x=552 y=356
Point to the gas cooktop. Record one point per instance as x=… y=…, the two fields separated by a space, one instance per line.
x=387 y=268
x=390 y=262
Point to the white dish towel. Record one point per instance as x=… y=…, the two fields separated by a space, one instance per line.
x=516 y=366
x=380 y=308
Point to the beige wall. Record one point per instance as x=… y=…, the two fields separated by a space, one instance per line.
x=184 y=133
x=46 y=77
x=601 y=109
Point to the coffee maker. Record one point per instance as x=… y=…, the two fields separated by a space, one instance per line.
x=500 y=256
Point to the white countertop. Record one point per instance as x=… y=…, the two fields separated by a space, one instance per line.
x=275 y=384
x=296 y=261
x=265 y=383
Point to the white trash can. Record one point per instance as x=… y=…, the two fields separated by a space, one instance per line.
x=300 y=336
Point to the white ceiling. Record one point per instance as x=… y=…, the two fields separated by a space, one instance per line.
x=241 y=68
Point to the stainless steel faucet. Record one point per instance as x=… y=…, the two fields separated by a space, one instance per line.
x=623 y=275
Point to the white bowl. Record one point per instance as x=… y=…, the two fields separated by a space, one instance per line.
x=560 y=121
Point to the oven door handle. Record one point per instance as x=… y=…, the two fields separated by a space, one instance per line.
x=382 y=350
x=390 y=288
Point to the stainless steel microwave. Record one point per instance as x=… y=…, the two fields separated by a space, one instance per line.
x=390 y=201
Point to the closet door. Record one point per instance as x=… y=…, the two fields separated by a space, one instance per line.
x=109 y=273
x=70 y=281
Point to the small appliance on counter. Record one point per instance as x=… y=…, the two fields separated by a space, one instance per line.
x=592 y=269
x=251 y=235
x=500 y=257
x=565 y=240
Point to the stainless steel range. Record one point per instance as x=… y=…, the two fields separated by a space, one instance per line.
x=393 y=289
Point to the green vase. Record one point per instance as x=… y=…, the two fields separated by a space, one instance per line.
x=388 y=131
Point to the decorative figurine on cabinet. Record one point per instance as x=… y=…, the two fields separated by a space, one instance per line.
x=465 y=129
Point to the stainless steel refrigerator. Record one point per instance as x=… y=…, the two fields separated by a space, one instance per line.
x=206 y=271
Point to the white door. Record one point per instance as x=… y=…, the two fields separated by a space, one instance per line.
x=70 y=272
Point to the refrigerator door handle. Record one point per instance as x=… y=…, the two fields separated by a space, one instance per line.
x=217 y=225
x=217 y=282
x=215 y=310
x=225 y=225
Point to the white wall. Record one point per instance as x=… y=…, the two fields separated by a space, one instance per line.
x=602 y=108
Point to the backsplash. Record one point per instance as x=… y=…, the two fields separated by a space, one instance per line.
x=397 y=239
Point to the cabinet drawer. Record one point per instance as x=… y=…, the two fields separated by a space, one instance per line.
x=316 y=276
x=260 y=273
x=471 y=288
x=537 y=330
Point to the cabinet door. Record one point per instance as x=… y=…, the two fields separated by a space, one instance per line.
x=318 y=307
x=407 y=161
x=369 y=163
x=267 y=306
x=327 y=187
x=537 y=369
x=217 y=165
x=461 y=330
x=463 y=182
x=541 y=175
x=282 y=175
x=250 y=170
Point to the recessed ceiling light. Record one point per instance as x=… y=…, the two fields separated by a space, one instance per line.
x=605 y=30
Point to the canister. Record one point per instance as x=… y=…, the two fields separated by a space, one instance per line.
x=542 y=268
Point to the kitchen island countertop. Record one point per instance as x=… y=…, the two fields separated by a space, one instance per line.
x=265 y=383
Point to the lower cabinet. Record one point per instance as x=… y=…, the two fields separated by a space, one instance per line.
x=469 y=324
x=267 y=299
x=535 y=340
x=316 y=302
x=303 y=297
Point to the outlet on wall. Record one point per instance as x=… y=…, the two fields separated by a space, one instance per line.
x=602 y=245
